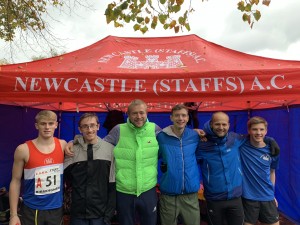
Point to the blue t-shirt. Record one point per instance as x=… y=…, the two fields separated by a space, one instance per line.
x=256 y=165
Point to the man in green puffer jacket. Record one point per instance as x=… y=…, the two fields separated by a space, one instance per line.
x=136 y=157
x=136 y=152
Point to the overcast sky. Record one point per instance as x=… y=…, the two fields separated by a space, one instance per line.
x=275 y=35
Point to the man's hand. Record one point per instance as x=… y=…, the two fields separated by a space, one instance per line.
x=202 y=134
x=69 y=149
x=14 y=220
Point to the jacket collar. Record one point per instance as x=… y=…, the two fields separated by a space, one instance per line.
x=84 y=144
x=131 y=125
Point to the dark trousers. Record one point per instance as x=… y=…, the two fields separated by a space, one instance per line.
x=225 y=212
x=79 y=221
x=143 y=207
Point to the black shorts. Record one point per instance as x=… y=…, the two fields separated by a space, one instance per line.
x=262 y=211
x=230 y=211
x=30 y=216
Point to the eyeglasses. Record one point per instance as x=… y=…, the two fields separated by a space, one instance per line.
x=89 y=126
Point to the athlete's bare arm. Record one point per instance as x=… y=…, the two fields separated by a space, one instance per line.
x=20 y=158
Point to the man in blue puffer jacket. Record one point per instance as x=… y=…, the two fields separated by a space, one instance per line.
x=180 y=179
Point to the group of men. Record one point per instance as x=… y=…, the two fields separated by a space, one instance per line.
x=120 y=171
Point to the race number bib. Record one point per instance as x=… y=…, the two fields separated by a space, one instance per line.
x=47 y=180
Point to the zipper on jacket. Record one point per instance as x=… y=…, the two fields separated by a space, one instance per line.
x=207 y=173
x=182 y=157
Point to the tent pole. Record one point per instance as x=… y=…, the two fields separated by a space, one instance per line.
x=249 y=110
x=59 y=119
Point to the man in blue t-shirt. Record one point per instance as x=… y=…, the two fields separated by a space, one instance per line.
x=258 y=176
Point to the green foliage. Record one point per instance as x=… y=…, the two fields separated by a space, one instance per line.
x=27 y=15
x=146 y=13
x=24 y=15
x=257 y=15
x=250 y=14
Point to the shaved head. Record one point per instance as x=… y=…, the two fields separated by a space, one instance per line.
x=219 y=123
x=219 y=115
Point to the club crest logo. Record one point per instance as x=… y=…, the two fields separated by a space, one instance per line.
x=265 y=157
x=48 y=161
x=151 y=62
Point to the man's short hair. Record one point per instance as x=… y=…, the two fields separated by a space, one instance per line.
x=218 y=113
x=179 y=107
x=256 y=120
x=88 y=115
x=136 y=102
x=45 y=114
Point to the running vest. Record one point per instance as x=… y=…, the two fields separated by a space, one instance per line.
x=43 y=178
x=136 y=156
